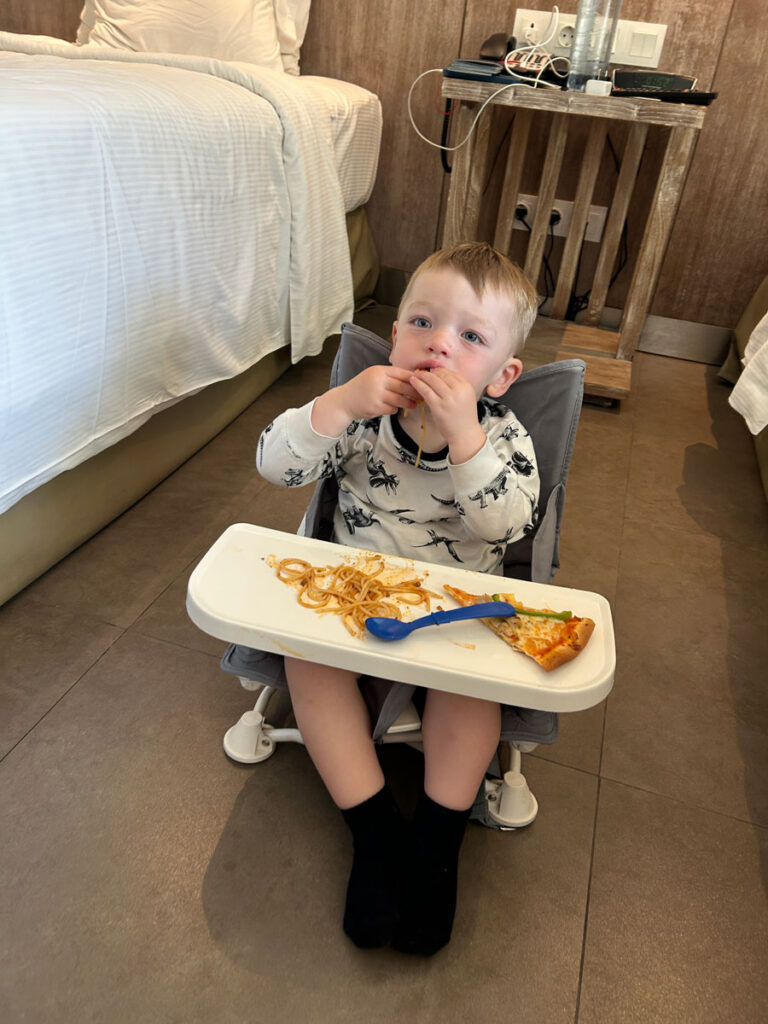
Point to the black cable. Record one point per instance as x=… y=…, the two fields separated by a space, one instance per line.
x=578 y=302
x=444 y=135
x=549 y=277
x=496 y=154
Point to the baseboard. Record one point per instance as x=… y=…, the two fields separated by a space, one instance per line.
x=679 y=339
x=685 y=339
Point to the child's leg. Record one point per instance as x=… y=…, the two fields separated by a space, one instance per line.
x=336 y=729
x=460 y=735
x=334 y=724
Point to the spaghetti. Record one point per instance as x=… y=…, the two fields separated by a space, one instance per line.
x=423 y=429
x=421 y=439
x=353 y=592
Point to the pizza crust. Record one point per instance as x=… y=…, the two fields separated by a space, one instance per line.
x=550 y=642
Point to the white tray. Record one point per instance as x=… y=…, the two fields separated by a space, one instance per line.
x=234 y=595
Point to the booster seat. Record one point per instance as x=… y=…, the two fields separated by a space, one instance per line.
x=547 y=400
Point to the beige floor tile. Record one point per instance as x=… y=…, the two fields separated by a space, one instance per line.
x=579 y=742
x=167 y=619
x=123 y=569
x=677 y=398
x=120 y=571
x=44 y=650
x=600 y=466
x=162 y=881
x=698 y=487
x=590 y=548
x=693 y=461
x=273 y=507
x=688 y=715
x=504 y=878
x=678 y=925
x=110 y=810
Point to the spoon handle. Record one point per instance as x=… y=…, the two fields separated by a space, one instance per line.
x=488 y=609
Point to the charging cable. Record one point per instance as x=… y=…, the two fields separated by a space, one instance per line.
x=465 y=140
x=520 y=80
x=539 y=48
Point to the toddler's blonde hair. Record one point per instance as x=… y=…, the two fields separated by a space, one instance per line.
x=483 y=267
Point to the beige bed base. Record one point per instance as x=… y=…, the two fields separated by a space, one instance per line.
x=52 y=521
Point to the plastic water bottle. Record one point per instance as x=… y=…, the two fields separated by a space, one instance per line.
x=593 y=38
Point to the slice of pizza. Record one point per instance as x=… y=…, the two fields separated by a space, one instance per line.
x=550 y=638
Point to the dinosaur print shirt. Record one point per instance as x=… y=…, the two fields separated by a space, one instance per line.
x=436 y=512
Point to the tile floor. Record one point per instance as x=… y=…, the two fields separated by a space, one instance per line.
x=146 y=878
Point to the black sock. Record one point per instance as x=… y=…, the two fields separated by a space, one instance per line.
x=377 y=831
x=427 y=901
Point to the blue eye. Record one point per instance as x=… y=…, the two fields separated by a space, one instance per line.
x=472 y=337
x=421 y=321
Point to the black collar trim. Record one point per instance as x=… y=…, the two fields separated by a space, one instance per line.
x=410 y=445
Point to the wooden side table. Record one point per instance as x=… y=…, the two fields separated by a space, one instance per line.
x=608 y=354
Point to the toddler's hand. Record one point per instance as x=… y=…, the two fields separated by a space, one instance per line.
x=452 y=403
x=377 y=391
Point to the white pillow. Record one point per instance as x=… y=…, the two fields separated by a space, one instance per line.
x=242 y=30
x=291 y=17
x=87 y=17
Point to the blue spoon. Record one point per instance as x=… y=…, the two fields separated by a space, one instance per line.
x=394 y=629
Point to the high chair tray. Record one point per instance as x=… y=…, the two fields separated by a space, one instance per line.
x=234 y=595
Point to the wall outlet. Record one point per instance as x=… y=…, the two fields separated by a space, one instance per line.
x=637 y=43
x=595 y=220
x=553 y=34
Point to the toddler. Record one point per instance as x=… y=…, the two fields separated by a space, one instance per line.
x=455 y=482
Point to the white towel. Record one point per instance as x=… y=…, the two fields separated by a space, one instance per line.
x=750 y=394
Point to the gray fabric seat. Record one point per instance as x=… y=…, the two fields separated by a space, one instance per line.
x=547 y=400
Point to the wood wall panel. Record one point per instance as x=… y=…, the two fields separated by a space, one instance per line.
x=58 y=18
x=717 y=254
x=384 y=47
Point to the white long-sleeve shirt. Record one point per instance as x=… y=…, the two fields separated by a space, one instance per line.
x=436 y=512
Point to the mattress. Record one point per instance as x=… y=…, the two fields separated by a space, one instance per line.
x=355 y=121
x=165 y=222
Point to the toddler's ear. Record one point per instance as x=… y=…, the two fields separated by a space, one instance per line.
x=505 y=378
x=394 y=340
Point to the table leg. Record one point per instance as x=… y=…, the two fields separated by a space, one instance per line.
x=666 y=200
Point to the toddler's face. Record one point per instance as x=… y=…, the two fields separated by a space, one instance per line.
x=443 y=323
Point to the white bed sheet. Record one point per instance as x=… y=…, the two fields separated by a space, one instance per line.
x=356 y=122
x=164 y=223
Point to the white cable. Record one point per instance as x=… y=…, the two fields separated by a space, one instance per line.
x=438 y=145
x=524 y=80
x=533 y=47
x=553 y=19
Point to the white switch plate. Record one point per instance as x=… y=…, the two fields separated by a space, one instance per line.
x=637 y=43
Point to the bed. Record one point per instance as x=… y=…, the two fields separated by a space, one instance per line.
x=176 y=229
